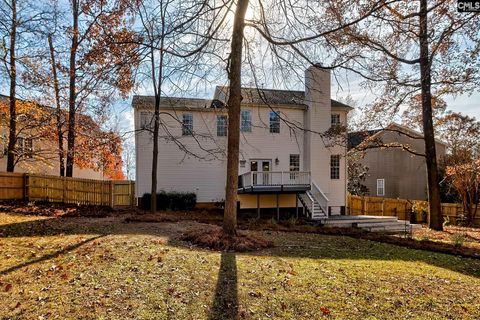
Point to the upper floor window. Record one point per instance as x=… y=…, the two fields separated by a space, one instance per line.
x=24 y=147
x=221 y=126
x=274 y=122
x=146 y=119
x=187 y=124
x=380 y=187
x=335 y=119
x=246 y=121
x=335 y=167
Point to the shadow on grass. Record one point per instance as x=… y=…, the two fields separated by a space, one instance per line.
x=225 y=303
x=312 y=246
x=49 y=256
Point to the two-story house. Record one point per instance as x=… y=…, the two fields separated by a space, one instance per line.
x=36 y=149
x=286 y=158
x=393 y=156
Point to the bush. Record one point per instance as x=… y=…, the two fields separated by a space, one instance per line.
x=175 y=201
x=458 y=239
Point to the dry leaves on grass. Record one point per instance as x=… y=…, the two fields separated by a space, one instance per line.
x=213 y=237
x=151 y=218
x=54 y=209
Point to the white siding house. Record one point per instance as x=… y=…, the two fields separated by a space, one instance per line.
x=288 y=154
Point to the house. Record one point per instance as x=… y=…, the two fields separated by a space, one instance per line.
x=285 y=159
x=392 y=155
x=36 y=145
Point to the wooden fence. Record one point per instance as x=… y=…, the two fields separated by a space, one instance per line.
x=401 y=208
x=36 y=187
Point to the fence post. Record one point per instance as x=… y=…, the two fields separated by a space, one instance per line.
x=132 y=193
x=64 y=187
x=111 y=194
x=364 y=206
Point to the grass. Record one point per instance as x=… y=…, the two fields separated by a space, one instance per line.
x=103 y=268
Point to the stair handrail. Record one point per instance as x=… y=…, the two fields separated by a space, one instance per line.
x=312 y=204
x=320 y=197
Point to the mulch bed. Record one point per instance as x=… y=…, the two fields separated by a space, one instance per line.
x=213 y=237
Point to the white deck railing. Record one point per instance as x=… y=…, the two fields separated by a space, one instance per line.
x=275 y=178
x=320 y=197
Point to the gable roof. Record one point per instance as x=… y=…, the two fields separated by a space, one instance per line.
x=254 y=96
x=358 y=137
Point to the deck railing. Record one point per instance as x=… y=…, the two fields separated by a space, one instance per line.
x=320 y=197
x=274 y=178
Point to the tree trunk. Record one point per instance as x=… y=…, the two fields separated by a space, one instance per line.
x=72 y=93
x=156 y=125
x=12 y=135
x=234 y=104
x=59 y=109
x=435 y=217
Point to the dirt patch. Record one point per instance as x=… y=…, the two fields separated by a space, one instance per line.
x=151 y=218
x=213 y=237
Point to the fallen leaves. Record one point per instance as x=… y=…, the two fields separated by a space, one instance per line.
x=325 y=311
x=8 y=287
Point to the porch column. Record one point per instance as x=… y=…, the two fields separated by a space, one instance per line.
x=258 y=206
x=278 y=209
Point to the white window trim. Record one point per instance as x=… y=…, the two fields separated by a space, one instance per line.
x=381 y=186
x=187 y=131
x=339 y=119
x=247 y=121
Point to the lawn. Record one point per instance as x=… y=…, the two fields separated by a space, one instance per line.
x=104 y=268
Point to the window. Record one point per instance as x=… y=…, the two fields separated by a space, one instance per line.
x=187 y=124
x=222 y=126
x=335 y=119
x=24 y=147
x=246 y=121
x=294 y=165
x=146 y=120
x=335 y=167
x=380 y=187
x=274 y=122
x=28 y=148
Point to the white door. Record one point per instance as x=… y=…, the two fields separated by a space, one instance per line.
x=260 y=169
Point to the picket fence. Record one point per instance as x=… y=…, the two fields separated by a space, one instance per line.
x=37 y=187
x=401 y=208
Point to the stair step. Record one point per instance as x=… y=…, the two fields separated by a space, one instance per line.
x=380 y=224
x=389 y=229
x=354 y=221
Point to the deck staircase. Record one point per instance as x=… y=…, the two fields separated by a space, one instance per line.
x=312 y=207
x=315 y=204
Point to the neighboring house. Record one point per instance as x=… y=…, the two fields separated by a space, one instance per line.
x=283 y=158
x=36 y=145
x=394 y=169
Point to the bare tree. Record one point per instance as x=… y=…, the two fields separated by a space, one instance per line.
x=13 y=85
x=233 y=104
x=410 y=48
x=58 y=105
x=169 y=53
x=19 y=24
